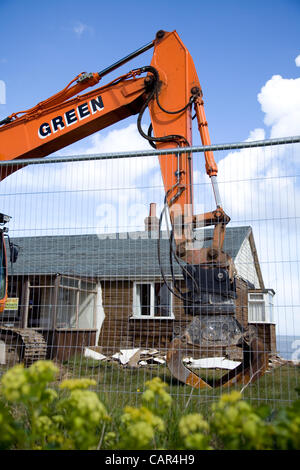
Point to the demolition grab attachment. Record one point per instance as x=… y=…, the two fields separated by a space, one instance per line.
x=219 y=330
x=210 y=280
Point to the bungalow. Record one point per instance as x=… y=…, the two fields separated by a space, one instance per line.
x=87 y=290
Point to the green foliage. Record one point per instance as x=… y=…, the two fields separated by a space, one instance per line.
x=194 y=431
x=38 y=413
x=35 y=416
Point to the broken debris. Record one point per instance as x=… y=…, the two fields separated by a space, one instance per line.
x=94 y=354
x=125 y=355
x=211 y=363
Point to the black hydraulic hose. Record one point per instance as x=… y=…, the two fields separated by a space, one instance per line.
x=178 y=111
x=125 y=59
x=5 y=121
x=178 y=260
x=168 y=138
x=171 y=252
x=159 y=258
x=154 y=92
x=150 y=129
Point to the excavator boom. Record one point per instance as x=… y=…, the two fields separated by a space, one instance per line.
x=169 y=88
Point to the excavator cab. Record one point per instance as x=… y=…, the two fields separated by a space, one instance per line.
x=3 y=261
x=4 y=219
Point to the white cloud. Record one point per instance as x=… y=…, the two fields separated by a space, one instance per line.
x=256 y=134
x=297 y=61
x=2 y=92
x=259 y=188
x=79 y=28
x=280 y=101
x=44 y=195
x=254 y=174
x=119 y=140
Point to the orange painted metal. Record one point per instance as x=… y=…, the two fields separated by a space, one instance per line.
x=210 y=164
x=178 y=76
x=21 y=139
x=254 y=364
x=175 y=355
x=83 y=82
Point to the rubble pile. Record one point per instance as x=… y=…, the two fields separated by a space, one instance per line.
x=130 y=357
x=277 y=361
x=152 y=357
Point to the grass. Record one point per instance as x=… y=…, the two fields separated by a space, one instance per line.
x=119 y=386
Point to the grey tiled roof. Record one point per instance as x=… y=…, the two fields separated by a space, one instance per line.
x=125 y=255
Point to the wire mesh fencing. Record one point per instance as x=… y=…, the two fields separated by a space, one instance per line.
x=98 y=287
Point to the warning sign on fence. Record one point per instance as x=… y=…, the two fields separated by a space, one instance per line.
x=12 y=303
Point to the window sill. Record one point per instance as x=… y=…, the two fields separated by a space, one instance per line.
x=261 y=322
x=148 y=317
x=75 y=329
x=51 y=328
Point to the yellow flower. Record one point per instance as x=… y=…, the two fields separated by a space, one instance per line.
x=192 y=423
x=86 y=404
x=77 y=384
x=42 y=371
x=232 y=397
x=13 y=381
x=156 y=396
x=44 y=424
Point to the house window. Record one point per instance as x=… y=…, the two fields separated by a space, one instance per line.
x=260 y=307
x=256 y=310
x=271 y=307
x=41 y=299
x=76 y=303
x=152 y=300
x=68 y=302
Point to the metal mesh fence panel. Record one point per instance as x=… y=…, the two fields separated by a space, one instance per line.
x=87 y=289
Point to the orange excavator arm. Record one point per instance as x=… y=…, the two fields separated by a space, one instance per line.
x=170 y=89
x=68 y=116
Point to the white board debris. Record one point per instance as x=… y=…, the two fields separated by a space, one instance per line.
x=125 y=355
x=2 y=353
x=159 y=360
x=211 y=363
x=151 y=357
x=94 y=354
x=150 y=352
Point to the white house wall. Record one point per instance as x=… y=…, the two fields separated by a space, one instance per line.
x=100 y=314
x=86 y=310
x=245 y=264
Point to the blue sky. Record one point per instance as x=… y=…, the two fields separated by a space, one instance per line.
x=236 y=46
x=247 y=55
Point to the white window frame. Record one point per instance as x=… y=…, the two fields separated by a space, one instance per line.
x=77 y=289
x=136 y=310
x=267 y=300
